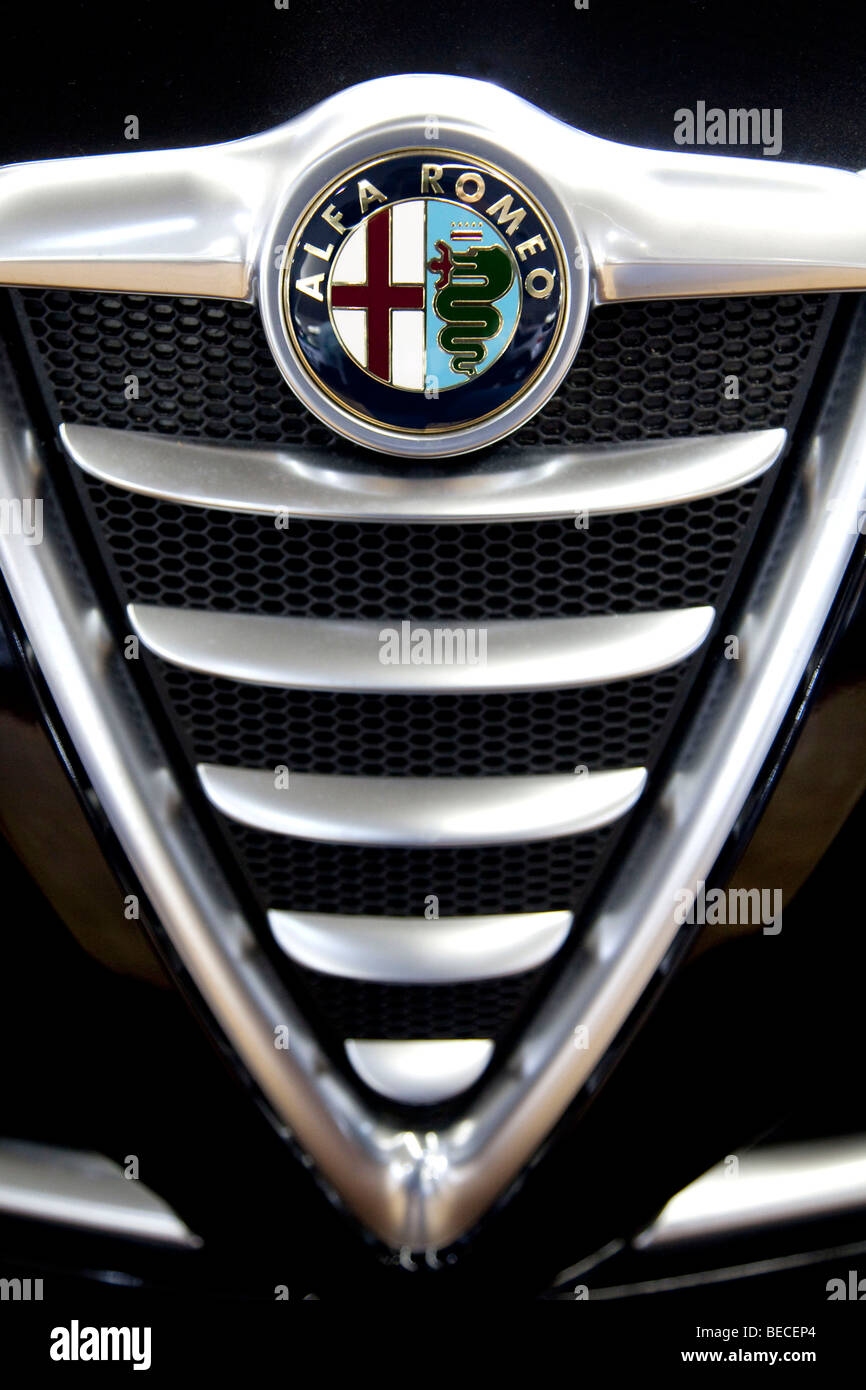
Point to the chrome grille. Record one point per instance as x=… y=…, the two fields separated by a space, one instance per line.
x=594 y=633
x=594 y=622
x=651 y=225
x=263 y=639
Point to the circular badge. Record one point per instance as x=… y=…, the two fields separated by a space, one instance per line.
x=424 y=301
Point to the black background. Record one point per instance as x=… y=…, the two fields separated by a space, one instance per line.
x=201 y=72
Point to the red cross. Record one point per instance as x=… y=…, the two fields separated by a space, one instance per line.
x=378 y=295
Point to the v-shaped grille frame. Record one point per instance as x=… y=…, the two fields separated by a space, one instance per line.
x=199 y=222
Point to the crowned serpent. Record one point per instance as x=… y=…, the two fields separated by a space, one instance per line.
x=468 y=283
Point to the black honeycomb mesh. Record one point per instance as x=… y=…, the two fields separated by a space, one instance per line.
x=655 y=370
x=313 y=877
x=480 y=1008
x=653 y=559
x=605 y=726
x=204 y=369
x=631 y=561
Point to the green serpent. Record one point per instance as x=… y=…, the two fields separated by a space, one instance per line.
x=465 y=304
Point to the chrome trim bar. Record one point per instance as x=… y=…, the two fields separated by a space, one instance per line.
x=420 y=1071
x=415 y=950
x=695 y=224
x=527 y=485
x=769 y=1186
x=413 y=1188
x=165 y=222
x=421 y=812
x=320 y=654
x=199 y=221
x=39 y=1182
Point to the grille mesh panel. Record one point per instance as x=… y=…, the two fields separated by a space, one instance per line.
x=314 y=877
x=606 y=726
x=204 y=372
x=479 y=1008
x=669 y=557
x=204 y=369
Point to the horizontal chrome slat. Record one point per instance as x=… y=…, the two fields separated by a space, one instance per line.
x=422 y=811
x=523 y=485
x=415 y=950
x=73 y=1187
x=770 y=1186
x=319 y=654
x=419 y=1071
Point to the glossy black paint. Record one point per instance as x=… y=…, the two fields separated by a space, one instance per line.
x=195 y=74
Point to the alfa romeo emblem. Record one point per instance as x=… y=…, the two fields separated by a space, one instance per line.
x=423 y=298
